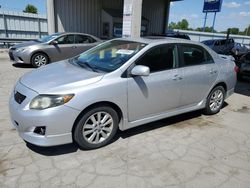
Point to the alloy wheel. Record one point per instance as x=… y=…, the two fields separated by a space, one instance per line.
x=40 y=60
x=98 y=127
x=216 y=100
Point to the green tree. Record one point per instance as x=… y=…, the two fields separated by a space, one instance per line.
x=172 y=25
x=30 y=9
x=183 y=24
x=247 y=31
x=207 y=29
x=234 y=31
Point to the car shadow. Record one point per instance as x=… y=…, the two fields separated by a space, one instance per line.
x=53 y=150
x=21 y=65
x=72 y=148
x=243 y=87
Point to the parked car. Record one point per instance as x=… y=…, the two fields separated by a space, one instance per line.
x=239 y=50
x=56 y=47
x=120 y=84
x=221 y=46
x=244 y=66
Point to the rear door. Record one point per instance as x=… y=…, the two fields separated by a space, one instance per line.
x=200 y=73
x=84 y=42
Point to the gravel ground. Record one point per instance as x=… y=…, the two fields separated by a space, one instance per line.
x=190 y=150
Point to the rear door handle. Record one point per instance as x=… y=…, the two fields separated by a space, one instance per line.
x=177 y=77
x=213 y=71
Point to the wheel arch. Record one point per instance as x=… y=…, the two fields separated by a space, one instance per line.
x=39 y=51
x=223 y=84
x=98 y=104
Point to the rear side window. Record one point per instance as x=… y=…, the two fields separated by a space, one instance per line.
x=160 y=58
x=194 y=55
x=83 y=39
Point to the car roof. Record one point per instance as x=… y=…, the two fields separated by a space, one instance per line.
x=72 y=33
x=154 y=40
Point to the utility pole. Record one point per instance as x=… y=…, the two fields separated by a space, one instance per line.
x=205 y=21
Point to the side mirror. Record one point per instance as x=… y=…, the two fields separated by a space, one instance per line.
x=54 y=42
x=140 y=70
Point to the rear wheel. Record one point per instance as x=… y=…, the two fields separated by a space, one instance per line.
x=96 y=128
x=39 y=59
x=215 y=100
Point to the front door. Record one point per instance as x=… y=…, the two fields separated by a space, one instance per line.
x=160 y=91
x=64 y=49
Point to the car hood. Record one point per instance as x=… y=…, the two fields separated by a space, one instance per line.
x=26 y=44
x=59 y=77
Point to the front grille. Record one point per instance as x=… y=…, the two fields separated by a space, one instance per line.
x=19 y=98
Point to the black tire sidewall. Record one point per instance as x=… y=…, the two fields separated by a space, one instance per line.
x=34 y=56
x=77 y=134
x=208 y=111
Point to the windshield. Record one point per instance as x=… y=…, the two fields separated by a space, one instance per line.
x=110 y=55
x=48 y=37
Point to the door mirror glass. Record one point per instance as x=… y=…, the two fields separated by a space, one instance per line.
x=54 y=42
x=140 y=70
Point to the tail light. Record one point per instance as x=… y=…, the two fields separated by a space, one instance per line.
x=236 y=69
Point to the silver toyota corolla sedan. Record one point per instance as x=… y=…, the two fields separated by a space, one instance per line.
x=52 y=48
x=119 y=84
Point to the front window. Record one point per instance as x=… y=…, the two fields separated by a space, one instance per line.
x=48 y=37
x=66 y=39
x=109 y=56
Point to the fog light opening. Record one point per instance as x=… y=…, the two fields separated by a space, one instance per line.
x=40 y=130
x=20 y=58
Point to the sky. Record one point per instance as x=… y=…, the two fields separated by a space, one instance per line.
x=19 y=5
x=235 y=13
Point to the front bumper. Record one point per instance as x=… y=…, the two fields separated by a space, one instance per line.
x=19 y=57
x=58 y=120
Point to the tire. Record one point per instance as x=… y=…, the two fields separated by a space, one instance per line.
x=87 y=129
x=215 y=101
x=39 y=59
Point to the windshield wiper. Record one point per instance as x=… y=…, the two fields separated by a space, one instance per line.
x=87 y=65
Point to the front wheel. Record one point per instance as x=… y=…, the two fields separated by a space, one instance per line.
x=215 y=100
x=96 y=128
x=39 y=59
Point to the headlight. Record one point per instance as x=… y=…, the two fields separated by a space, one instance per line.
x=20 y=49
x=42 y=102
